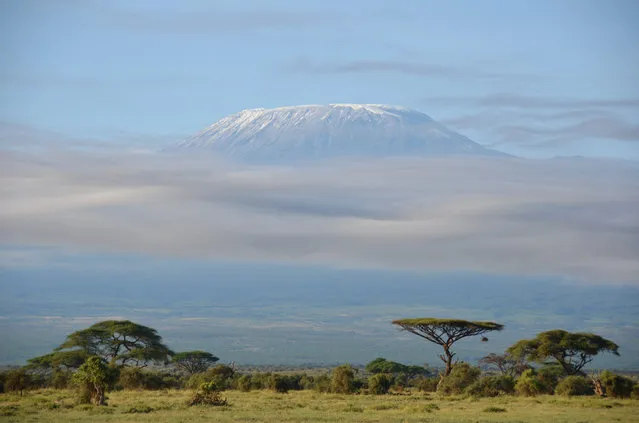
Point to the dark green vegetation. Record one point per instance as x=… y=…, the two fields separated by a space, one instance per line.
x=572 y=351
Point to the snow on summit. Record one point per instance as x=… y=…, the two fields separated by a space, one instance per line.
x=334 y=130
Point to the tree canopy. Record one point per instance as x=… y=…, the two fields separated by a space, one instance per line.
x=572 y=351
x=116 y=341
x=193 y=361
x=71 y=359
x=446 y=332
x=381 y=365
x=505 y=364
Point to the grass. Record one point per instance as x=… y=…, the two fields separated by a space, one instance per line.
x=308 y=406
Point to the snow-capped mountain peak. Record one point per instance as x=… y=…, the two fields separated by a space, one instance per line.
x=322 y=131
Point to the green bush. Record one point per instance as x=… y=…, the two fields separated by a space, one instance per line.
x=461 y=376
x=60 y=379
x=260 y=380
x=221 y=375
x=381 y=365
x=549 y=376
x=131 y=378
x=322 y=383
x=17 y=380
x=343 y=380
x=616 y=386
x=425 y=384
x=380 y=384
x=492 y=386
x=574 y=386
x=208 y=394
x=244 y=383
x=529 y=385
x=278 y=383
x=93 y=378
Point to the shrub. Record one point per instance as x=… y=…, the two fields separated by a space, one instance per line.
x=93 y=378
x=492 y=386
x=616 y=386
x=574 y=386
x=322 y=383
x=170 y=381
x=278 y=383
x=380 y=384
x=425 y=384
x=343 y=380
x=131 y=378
x=61 y=379
x=381 y=365
x=549 y=376
x=221 y=375
x=244 y=383
x=17 y=380
x=294 y=381
x=260 y=380
x=461 y=376
x=208 y=394
x=529 y=385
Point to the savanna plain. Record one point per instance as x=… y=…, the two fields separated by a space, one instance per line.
x=49 y=405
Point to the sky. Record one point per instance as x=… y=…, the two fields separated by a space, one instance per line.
x=532 y=78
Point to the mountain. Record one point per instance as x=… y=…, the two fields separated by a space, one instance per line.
x=336 y=130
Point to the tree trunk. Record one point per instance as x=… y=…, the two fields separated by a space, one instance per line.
x=447 y=358
x=596 y=383
x=448 y=361
x=98 y=397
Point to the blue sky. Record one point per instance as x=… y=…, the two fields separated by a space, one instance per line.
x=535 y=78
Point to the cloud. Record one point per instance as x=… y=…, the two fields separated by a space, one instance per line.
x=544 y=122
x=611 y=128
x=571 y=218
x=547 y=129
x=391 y=66
x=519 y=101
x=21 y=137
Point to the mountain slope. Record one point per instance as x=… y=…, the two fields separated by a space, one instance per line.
x=336 y=130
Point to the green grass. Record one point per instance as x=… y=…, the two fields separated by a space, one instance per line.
x=309 y=406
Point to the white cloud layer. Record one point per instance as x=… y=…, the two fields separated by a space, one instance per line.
x=572 y=218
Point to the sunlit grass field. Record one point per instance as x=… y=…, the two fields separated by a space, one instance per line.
x=309 y=406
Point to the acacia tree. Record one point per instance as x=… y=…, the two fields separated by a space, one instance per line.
x=193 y=361
x=572 y=351
x=446 y=332
x=506 y=364
x=118 y=342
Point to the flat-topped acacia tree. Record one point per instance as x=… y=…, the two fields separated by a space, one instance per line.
x=570 y=350
x=446 y=332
